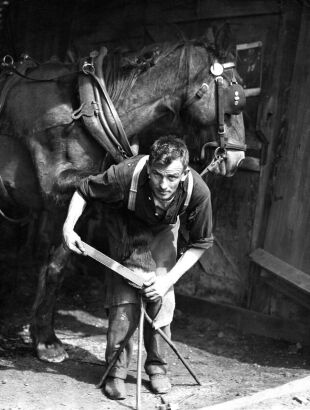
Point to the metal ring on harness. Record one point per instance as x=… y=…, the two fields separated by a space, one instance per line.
x=220 y=152
x=7 y=61
x=88 y=68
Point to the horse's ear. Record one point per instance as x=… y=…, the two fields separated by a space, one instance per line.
x=208 y=37
x=225 y=43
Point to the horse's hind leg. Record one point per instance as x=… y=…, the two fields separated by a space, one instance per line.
x=48 y=346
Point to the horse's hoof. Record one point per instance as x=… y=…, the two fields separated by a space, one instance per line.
x=53 y=353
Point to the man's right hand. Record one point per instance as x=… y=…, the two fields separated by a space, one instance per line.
x=72 y=241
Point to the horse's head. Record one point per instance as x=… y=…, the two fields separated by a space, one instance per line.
x=187 y=81
x=214 y=101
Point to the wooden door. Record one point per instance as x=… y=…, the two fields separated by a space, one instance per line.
x=287 y=234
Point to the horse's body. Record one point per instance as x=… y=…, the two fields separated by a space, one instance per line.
x=46 y=154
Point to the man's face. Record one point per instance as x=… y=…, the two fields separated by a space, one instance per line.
x=165 y=179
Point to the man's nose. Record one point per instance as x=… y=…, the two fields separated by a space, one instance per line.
x=163 y=183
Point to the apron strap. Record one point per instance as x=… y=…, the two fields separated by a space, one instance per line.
x=189 y=190
x=134 y=183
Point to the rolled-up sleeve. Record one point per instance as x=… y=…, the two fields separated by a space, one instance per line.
x=199 y=220
x=105 y=187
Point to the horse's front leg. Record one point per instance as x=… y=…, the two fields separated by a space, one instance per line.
x=48 y=346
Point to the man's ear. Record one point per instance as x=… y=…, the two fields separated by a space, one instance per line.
x=184 y=176
x=148 y=167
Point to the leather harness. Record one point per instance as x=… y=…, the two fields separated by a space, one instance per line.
x=101 y=118
x=11 y=80
x=99 y=114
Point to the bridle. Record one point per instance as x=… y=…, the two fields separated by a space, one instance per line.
x=229 y=100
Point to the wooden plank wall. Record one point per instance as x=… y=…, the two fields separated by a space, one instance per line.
x=43 y=28
x=287 y=228
x=289 y=219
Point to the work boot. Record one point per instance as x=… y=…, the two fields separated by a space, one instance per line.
x=115 y=388
x=160 y=383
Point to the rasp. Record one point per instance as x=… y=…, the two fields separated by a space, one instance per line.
x=137 y=279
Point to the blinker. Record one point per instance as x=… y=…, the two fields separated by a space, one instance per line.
x=234 y=99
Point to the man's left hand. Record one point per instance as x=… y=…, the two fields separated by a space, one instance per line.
x=156 y=287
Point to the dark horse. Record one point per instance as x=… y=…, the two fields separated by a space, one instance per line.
x=45 y=153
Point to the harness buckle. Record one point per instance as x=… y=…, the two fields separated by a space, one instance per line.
x=202 y=90
x=122 y=152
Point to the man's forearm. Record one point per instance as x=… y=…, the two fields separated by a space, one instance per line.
x=186 y=261
x=76 y=208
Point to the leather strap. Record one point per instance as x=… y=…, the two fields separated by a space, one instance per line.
x=189 y=190
x=110 y=124
x=220 y=111
x=134 y=183
x=13 y=79
x=123 y=137
x=93 y=123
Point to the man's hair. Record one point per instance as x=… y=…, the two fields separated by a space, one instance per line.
x=168 y=148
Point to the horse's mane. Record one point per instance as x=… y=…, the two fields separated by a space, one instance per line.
x=122 y=67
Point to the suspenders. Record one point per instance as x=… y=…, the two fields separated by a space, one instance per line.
x=134 y=185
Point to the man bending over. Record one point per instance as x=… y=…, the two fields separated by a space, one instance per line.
x=153 y=190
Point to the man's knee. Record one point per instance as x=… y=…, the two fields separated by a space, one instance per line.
x=123 y=318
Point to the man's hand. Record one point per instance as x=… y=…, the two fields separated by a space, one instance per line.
x=156 y=287
x=73 y=241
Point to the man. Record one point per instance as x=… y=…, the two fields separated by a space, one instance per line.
x=151 y=192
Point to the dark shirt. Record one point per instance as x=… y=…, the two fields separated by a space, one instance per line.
x=112 y=188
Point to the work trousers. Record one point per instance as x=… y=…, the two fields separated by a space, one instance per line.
x=123 y=320
x=124 y=310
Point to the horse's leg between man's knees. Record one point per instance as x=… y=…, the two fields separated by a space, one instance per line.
x=48 y=346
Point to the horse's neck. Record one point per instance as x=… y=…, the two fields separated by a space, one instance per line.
x=141 y=116
x=147 y=103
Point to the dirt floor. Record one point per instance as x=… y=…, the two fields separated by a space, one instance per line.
x=229 y=364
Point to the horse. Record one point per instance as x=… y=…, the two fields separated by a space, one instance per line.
x=167 y=84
